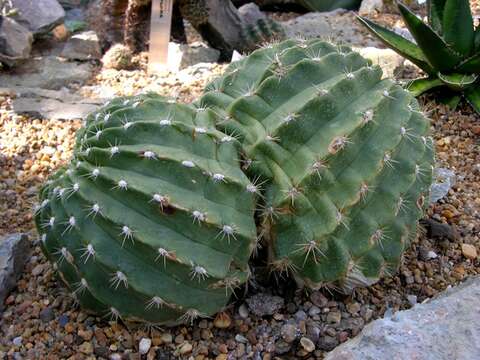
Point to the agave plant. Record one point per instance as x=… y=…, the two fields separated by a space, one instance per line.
x=447 y=49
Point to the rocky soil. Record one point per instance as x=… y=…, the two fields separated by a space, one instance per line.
x=267 y=320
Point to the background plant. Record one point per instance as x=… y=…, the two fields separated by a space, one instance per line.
x=447 y=49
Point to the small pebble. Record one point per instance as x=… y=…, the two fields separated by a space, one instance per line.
x=144 y=345
x=307 y=344
x=469 y=251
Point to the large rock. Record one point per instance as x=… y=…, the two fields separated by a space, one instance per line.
x=181 y=56
x=340 y=26
x=14 y=251
x=445 y=328
x=251 y=13
x=47 y=72
x=83 y=46
x=15 y=41
x=39 y=16
x=51 y=104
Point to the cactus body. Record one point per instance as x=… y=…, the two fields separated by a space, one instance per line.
x=152 y=221
x=155 y=220
x=344 y=154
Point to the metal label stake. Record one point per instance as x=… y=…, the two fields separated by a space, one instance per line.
x=159 y=34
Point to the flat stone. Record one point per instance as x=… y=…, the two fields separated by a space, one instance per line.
x=39 y=16
x=447 y=327
x=82 y=46
x=340 y=25
x=51 y=104
x=48 y=72
x=15 y=42
x=14 y=251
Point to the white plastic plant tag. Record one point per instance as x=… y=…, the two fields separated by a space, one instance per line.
x=160 y=24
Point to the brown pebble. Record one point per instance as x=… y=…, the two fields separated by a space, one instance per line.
x=222 y=320
x=469 y=251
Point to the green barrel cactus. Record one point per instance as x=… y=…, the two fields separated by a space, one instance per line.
x=302 y=144
x=153 y=220
x=343 y=156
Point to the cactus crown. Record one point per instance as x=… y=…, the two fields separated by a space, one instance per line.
x=302 y=143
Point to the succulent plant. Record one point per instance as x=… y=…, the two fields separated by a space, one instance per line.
x=262 y=32
x=343 y=156
x=302 y=143
x=152 y=220
x=447 y=49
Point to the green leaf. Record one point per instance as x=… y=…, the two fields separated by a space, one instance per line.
x=438 y=54
x=399 y=44
x=419 y=86
x=435 y=14
x=473 y=98
x=457 y=81
x=477 y=39
x=470 y=65
x=449 y=98
x=458 y=28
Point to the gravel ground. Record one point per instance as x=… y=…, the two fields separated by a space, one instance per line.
x=42 y=322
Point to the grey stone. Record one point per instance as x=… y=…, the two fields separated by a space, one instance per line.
x=15 y=41
x=251 y=13
x=181 y=56
x=289 y=332
x=47 y=72
x=264 y=304
x=370 y=7
x=39 y=16
x=51 y=104
x=47 y=315
x=14 y=251
x=340 y=26
x=82 y=46
x=447 y=327
x=282 y=347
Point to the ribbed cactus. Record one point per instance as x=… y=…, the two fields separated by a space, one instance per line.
x=343 y=154
x=261 y=32
x=153 y=220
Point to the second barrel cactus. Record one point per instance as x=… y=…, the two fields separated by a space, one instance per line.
x=343 y=154
x=302 y=144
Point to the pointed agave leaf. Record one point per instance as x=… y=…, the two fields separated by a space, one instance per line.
x=457 y=81
x=473 y=97
x=470 y=65
x=451 y=99
x=437 y=52
x=419 y=86
x=435 y=14
x=477 y=39
x=399 y=44
x=458 y=28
